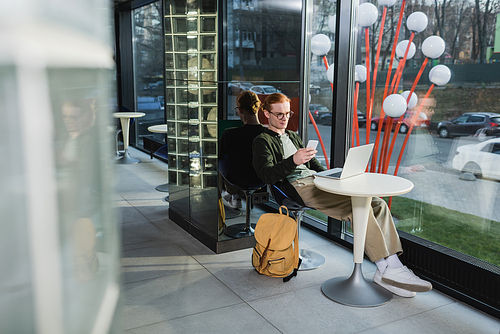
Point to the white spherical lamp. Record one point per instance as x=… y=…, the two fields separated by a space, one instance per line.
x=329 y=73
x=433 y=47
x=387 y=3
x=413 y=99
x=320 y=44
x=417 y=22
x=440 y=75
x=368 y=14
x=332 y=21
x=401 y=49
x=360 y=73
x=394 y=105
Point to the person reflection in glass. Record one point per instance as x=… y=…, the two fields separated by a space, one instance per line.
x=235 y=146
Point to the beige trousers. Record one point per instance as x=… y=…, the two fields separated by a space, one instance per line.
x=382 y=238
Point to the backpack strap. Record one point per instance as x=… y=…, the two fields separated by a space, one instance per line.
x=264 y=255
x=297 y=257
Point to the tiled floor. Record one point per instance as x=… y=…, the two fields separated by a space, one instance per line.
x=174 y=284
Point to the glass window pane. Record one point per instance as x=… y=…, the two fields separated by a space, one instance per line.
x=179 y=25
x=192 y=24
x=192 y=43
x=168 y=44
x=178 y=6
x=168 y=27
x=449 y=140
x=181 y=60
x=208 y=43
x=180 y=43
x=182 y=113
x=208 y=6
x=148 y=68
x=208 y=24
x=208 y=60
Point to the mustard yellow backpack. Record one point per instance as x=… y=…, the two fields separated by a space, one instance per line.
x=276 y=252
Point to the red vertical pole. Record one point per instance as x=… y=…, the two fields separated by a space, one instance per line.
x=368 y=104
x=387 y=80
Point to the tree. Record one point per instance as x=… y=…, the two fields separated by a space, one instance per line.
x=482 y=19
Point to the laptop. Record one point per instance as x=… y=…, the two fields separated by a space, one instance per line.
x=355 y=164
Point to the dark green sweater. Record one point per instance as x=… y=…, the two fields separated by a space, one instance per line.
x=268 y=159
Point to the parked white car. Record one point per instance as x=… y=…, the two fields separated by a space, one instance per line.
x=264 y=89
x=482 y=160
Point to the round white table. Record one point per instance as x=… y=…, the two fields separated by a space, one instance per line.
x=160 y=128
x=355 y=290
x=125 y=122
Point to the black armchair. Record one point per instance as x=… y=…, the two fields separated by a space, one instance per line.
x=246 y=229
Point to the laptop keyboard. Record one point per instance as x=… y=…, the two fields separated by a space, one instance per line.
x=336 y=174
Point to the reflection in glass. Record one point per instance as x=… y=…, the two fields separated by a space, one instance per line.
x=208 y=24
x=209 y=95
x=182 y=95
x=207 y=61
x=183 y=146
x=180 y=43
x=194 y=147
x=168 y=28
x=208 y=6
x=209 y=148
x=85 y=223
x=182 y=113
x=192 y=43
x=208 y=43
x=172 y=147
x=180 y=25
x=169 y=46
x=182 y=129
x=194 y=130
x=210 y=180
x=196 y=180
x=148 y=43
x=181 y=61
x=209 y=164
x=178 y=6
x=183 y=162
x=209 y=113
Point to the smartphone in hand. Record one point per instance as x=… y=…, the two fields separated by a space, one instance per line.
x=312 y=143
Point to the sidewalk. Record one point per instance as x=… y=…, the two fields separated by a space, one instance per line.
x=480 y=197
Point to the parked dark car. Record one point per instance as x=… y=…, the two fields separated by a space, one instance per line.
x=326 y=119
x=469 y=123
x=317 y=110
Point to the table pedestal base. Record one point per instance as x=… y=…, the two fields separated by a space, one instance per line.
x=162 y=187
x=127 y=159
x=310 y=260
x=239 y=230
x=355 y=290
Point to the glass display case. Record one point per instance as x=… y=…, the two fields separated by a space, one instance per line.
x=191 y=102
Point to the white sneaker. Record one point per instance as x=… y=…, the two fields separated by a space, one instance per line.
x=231 y=201
x=404 y=278
x=377 y=278
x=236 y=202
